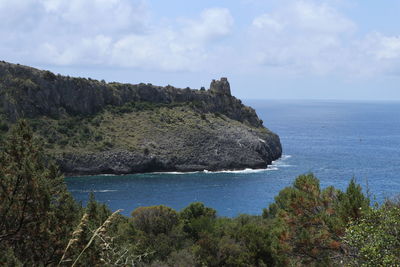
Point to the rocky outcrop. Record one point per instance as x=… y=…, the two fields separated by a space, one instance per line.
x=29 y=92
x=221 y=87
x=221 y=133
x=221 y=146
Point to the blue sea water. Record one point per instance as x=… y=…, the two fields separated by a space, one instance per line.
x=334 y=140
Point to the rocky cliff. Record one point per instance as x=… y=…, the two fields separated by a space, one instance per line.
x=95 y=127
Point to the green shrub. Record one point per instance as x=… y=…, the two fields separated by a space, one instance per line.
x=374 y=240
x=155 y=220
x=48 y=75
x=4 y=126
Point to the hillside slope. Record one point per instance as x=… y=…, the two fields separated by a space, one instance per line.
x=93 y=127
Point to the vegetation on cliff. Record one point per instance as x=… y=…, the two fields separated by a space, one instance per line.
x=94 y=127
x=41 y=225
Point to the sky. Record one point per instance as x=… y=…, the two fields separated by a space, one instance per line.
x=268 y=49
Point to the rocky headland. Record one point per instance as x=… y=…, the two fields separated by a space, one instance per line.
x=94 y=127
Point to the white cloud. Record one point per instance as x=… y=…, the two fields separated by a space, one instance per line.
x=318 y=17
x=265 y=21
x=313 y=37
x=63 y=16
x=184 y=47
x=290 y=36
x=213 y=24
x=108 y=33
x=304 y=36
x=163 y=50
x=375 y=54
x=383 y=47
x=97 y=16
x=86 y=51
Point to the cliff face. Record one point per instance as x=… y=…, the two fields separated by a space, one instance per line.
x=28 y=92
x=95 y=127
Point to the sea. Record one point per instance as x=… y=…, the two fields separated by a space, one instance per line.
x=335 y=140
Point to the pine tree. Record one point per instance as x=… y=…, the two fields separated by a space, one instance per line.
x=304 y=215
x=36 y=211
x=352 y=203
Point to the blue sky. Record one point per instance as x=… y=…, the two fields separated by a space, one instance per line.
x=268 y=49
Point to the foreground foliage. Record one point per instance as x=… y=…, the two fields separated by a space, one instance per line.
x=36 y=211
x=41 y=225
x=375 y=239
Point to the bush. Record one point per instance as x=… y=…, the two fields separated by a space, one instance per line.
x=374 y=240
x=106 y=145
x=155 y=220
x=48 y=75
x=4 y=127
x=197 y=219
x=36 y=211
x=62 y=142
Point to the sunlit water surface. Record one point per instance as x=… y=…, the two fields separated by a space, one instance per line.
x=334 y=140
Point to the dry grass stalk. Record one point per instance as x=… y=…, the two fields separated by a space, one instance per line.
x=101 y=230
x=76 y=235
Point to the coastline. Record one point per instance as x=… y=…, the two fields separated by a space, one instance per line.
x=273 y=166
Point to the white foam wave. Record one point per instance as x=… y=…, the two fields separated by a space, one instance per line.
x=244 y=171
x=96 y=191
x=283 y=165
x=281 y=160
x=179 y=173
x=248 y=170
x=273 y=167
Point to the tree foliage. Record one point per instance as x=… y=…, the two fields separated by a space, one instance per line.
x=40 y=224
x=309 y=222
x=36 y=210
x=374 y=240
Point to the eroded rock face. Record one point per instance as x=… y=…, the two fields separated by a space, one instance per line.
x=221 y=87
x=30 y=93
x=220 y=148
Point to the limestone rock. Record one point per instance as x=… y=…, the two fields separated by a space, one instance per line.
x=221 y=86
x=236 y=140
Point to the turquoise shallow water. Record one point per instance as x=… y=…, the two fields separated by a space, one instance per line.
x=334 y=140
